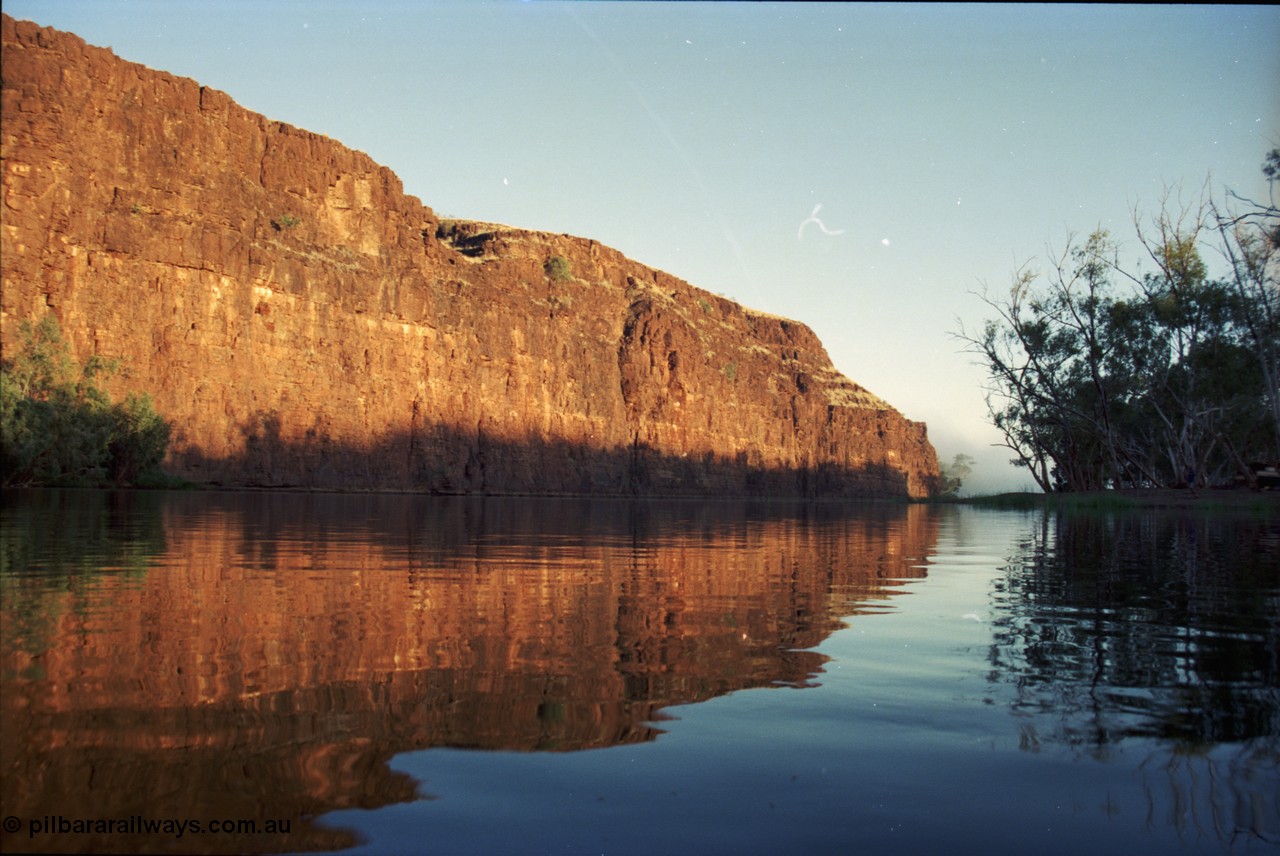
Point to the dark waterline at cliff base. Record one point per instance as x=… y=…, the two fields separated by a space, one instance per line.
x=447 y=461
x=642 y=676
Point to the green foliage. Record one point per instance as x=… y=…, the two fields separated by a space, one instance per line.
x=731 y=372
x=286 y=221
x=1174 y=381
x=557 y=267
x=58 y=428
x=140 y=438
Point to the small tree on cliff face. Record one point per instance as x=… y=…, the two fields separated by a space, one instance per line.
x=57 y=427
x=1174 y=381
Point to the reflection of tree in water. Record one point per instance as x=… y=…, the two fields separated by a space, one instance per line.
x=1134 y=628
x=52 y=532
x=1231 y=793
x=58 y=541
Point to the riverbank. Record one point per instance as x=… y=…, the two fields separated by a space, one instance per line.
x=1267 y=501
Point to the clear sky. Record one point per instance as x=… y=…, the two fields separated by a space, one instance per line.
x=946 y=145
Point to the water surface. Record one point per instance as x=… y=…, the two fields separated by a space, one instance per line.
x=573 y=676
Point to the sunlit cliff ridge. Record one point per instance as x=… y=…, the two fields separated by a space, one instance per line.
x=300 y=320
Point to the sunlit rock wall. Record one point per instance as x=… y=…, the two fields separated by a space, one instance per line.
x=302 y=321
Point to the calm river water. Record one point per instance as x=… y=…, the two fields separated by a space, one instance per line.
x=287 y=672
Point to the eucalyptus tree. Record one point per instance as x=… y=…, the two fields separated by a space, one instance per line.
x=1197 y=388
x=1249 y=238
x=1171 y=377
x=1048 y=353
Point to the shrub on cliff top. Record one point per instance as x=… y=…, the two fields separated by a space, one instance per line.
x=58 y=428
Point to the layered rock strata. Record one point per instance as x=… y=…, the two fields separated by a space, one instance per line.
x=301 y=321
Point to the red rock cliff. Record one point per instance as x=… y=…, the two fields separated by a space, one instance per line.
x=302 y=321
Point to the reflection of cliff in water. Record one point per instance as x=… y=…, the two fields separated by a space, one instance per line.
x=1153 y=632
x=281 y=649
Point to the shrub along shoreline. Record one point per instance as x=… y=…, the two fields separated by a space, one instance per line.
x=58 y=428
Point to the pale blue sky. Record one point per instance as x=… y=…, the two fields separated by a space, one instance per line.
x=947 y=145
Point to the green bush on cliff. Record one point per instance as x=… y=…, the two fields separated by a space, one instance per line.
x=557 y=267
x=57 y=427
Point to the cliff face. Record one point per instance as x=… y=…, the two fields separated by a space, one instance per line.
x=302 y=321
